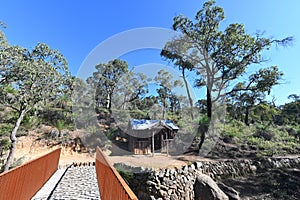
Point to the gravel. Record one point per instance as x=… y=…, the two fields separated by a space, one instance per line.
x=77 y=183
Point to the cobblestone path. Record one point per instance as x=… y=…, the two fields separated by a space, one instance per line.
x=77 y=183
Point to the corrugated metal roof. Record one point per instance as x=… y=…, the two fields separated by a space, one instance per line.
x=144 y=124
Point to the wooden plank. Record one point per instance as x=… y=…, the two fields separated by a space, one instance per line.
x=111 y=184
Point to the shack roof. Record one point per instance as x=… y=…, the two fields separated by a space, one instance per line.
x=144 y=124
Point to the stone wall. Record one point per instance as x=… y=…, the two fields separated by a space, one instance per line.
x=178 y=183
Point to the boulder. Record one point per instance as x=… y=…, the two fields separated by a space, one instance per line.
x=229 y=191
x=205 y=188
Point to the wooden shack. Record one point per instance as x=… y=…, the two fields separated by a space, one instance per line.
x=149 y=136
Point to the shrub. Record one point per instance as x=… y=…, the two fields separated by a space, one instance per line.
x=138 y=114
x=126 y=175
x=4 y=144
x=203 y=124
x=264 y=132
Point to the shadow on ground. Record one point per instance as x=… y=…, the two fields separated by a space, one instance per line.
x=271 y=184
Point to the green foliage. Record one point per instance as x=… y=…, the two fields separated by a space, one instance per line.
x=29 y=79
x=291 y=113
x=92 y=129
x=204 y=120
x=60 y=124
x=231 y=131
x=31 y=121
x=166 y=96
x=266 y=140
x=264 y=132
x=17 y=162
x=205 y=48
x=173 y=117
x=235 y=130
x=5 y=129
x=112 y=133
x=5 y=144
x=126 y=175
x=138 y=114
x=203 y=124
x=130 y=90
x=105 y=81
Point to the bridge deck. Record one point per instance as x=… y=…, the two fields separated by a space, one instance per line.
x=71 y=183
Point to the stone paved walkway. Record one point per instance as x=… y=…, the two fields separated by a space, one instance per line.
x=76 y=183
x=49 y=186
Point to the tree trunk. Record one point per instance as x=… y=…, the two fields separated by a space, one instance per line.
x=202 y=138
x=247 y=116
x=109 y=102
x=209 y=103
x=163 y=112
x=209 y=114
x=188 y=93
x=13 y=140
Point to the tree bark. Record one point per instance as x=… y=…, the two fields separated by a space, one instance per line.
x=163 y=112
x=188 y=93
x=202 y=138
x=209 y=114
x=109 y=101
x=13 y=140
x=209 y=103
x=247 y=116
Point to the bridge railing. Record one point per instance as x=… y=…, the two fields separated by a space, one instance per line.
x=112 y=186
x=24 y=181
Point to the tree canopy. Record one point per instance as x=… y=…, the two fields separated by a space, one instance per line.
x=219 y=57
x=29 y=79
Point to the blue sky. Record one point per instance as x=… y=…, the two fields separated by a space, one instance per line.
x=76 y=27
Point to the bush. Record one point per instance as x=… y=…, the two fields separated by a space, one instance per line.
x=264 y=132
x=173 y=118
x=30 y=121
x=138 y=114
x=126 y=175
x=92 y=129
x=203 y=124
x=112 y=133
x=5 y=129
x=4 y=144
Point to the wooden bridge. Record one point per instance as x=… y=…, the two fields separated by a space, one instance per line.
x=25 y=181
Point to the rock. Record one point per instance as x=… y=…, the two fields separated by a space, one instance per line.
x=229 y=191
x=163 y=193
x=192 y=167
x=172 y=171
x=54 y=133
x=164 y=187
x=173 y=186
x=185 y=169
x=253 y=168
x=150 y=183
x=161 y=174
x=198 y=165
x=174 y=197
x=206 y=189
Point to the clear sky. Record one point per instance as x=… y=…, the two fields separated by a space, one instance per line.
x=75 y=28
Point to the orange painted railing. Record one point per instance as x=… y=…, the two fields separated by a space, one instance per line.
x=111 y=185
x=24 y=181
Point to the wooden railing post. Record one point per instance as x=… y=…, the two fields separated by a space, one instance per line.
x=24 y=181
x=111 y=185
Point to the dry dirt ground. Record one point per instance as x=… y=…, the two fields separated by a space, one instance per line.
x=28 y=148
